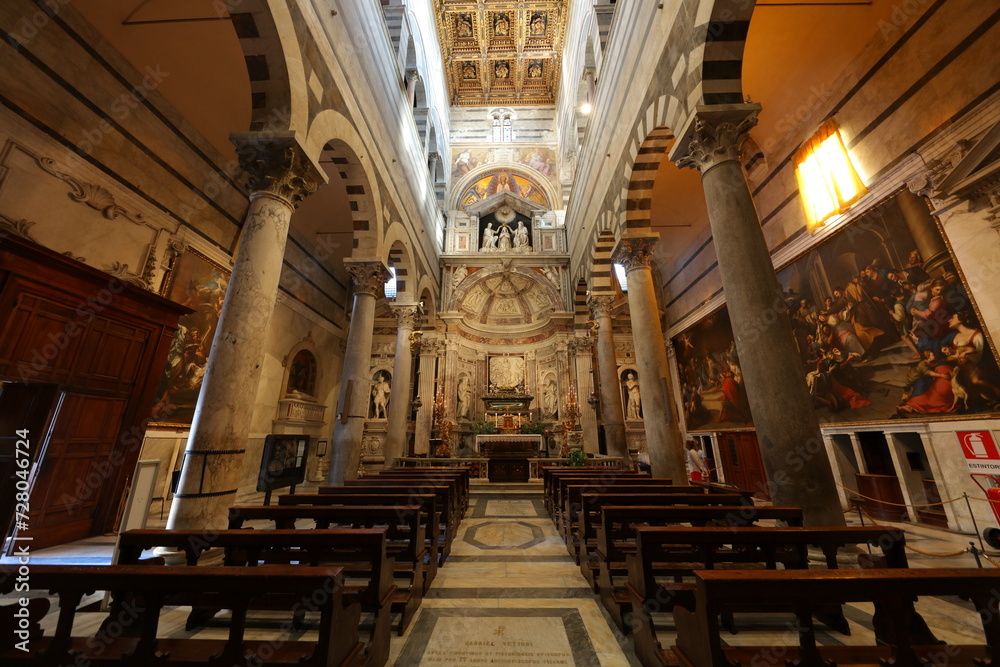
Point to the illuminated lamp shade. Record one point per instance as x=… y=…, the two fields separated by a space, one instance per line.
x=586 y=108
x=828 y=182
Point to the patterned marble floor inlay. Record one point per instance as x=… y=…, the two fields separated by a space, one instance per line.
x=510 y=535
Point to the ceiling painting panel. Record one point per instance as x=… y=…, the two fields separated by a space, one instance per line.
x=502 y=52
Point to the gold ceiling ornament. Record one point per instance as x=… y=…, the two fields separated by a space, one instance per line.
x=502 y=52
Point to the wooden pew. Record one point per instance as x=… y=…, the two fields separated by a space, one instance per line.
x=628 y=495
x=428 y=504
x=362 y=555
x=553 y=496
x=611 y=538
x=407 y=539
x=460 y=479
x=661 y=571
x=130 y=640
x=448 y=518
x=416 y=483
x=799 y=592
x=568 y=489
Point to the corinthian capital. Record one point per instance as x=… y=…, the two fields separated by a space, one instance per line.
x=406 y=315
x=634 y=252
x=278 y=167
x=715 y=136
x=369 y=277
x=601 y=304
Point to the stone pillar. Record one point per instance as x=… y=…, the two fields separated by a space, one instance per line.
x=423 y=426
x=663 y=436
x=612 y=414
x=399 y=395
x=580 y=347
x=352 y=409
x=795 y=460
x=450 y=379
x=411 y=87
x=281 y=175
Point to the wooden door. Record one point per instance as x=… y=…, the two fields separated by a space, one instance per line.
x=742 y=463
x=74 y=469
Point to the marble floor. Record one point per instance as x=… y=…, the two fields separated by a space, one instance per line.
x=511 y=595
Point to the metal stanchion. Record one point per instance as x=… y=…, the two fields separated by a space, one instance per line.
x=974 y=524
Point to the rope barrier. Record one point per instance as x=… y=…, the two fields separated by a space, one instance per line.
x=886 y=502
x=919 y=551
x=992 y=562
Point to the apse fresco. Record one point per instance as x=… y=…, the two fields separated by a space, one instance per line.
x=497 y=181
x=883 y=323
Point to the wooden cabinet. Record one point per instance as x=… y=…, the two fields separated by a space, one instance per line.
x=100 y=345
x=508 y=470
x=742 y=463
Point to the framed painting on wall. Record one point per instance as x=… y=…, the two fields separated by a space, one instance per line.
x=883 y=323
x=200 y=284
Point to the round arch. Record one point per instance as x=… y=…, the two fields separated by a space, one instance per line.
x=397 y=254
x=333 y=136
x=533 y=176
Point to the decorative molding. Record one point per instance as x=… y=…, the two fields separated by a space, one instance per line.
x=601 y=305
x=368 y=277
x=406 y=316
x=22 y=228
x=95 y=196
x=278 y=168
x=718 y=137
x=634 y=253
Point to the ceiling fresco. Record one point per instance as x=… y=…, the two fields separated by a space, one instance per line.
x=502 y=52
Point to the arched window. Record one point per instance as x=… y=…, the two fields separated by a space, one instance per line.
x=507 y=128
x=502 y=125
x=497 y=133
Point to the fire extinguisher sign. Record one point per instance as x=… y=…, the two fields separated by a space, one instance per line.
x=980 y=450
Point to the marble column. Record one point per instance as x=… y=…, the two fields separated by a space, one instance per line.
x=422 y=427
x=450 y=380
x=663 y=436
x=281 y=175
x=402 y=372
x=583 y=360
x=355 y=384
x=795 y=460
x=612 y=414
x=411 y=87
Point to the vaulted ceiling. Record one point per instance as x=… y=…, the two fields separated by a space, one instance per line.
x=502 y=52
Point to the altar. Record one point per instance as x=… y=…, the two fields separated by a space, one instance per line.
x=509 y=455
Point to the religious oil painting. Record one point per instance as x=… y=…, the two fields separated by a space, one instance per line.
x=504 y=181
x=883 y=324
x=200 y=284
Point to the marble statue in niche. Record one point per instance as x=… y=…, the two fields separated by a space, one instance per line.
x=489 y=238
x=504 y=244
x=520 y=236
x=549 y=392
x=381 y=388
x=633 y=406
x=464 y=396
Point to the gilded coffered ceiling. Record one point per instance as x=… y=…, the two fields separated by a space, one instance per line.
x=502 y=52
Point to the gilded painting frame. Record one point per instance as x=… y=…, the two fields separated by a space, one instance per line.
x=850 y=226
x=199 y=282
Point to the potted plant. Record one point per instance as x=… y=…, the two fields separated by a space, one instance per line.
x=483 y=427
x=537 y=428
x=576 y=457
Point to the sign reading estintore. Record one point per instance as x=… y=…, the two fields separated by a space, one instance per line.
x=980 y=450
